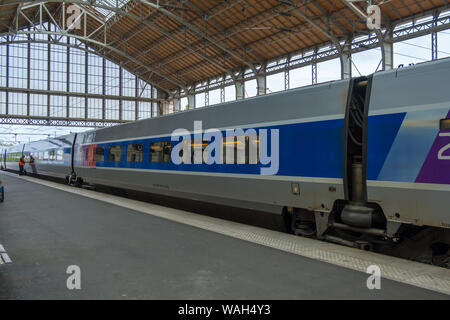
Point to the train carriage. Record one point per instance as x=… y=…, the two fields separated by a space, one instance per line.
x=359 y=160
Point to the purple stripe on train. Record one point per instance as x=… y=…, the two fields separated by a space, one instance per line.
x=436 y=168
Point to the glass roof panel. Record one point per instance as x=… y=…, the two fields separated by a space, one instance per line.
x=110 y=3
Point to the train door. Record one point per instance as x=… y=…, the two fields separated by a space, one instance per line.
x=88 y=153
x=3 y=165
x=72 y=156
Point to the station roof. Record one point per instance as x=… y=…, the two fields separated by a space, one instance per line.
x=175 y=44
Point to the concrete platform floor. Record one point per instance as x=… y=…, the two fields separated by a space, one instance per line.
x=126 y=254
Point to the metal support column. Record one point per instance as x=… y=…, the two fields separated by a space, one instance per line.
x=7 y=75
x=387 y=51
x=434 y=39
x=104 y=89
x=222 y=94
x=314 y=68
x=240 y=90
x=207 y=96
x=287 y=79
x=120 y=91
x=261 y=82
x=177 y=102
x=314 y=73
x=222 y=91
x=346 y=65
x=136 y=94
x=49 y=56
x=152 y=105
x=191 y=98
x=86 y=84
x=162 y=96
x=240 y=86
x=68 y=79
x=28 y=73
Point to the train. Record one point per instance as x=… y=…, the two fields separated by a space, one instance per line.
x=363 y=161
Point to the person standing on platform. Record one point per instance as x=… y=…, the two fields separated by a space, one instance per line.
x=21 y=165
x=32 y=164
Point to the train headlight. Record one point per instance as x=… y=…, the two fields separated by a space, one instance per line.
x=295 y=187
x=444 y=124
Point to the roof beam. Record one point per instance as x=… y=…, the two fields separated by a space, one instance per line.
x=148 y=23
x=362 y=15
x=296 y=11
x=207 y=16
x=14 y=20
x=230 y=32
x=187 y=46
x=216 y=11
x=371 y=43
x=221 y=8
x=130 y=35
x=197 y=31
x=185 y=71
x=276 y=37
x=325 y=13
x=395 y=10
x=355 y=9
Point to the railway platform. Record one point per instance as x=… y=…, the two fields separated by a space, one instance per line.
x=126 y=249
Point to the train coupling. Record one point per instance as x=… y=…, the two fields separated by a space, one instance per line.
x=361 y=215
x=74 y=180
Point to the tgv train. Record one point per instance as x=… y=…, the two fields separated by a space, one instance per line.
x=363 y=161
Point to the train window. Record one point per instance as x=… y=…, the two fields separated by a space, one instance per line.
x=241 y=149
x=252 y=143
x=160 y=151
x=155 y=152
x=201 y=145
x=115 y=153
x=135 y=152
x=229 y=154
x=59 y=155
x=90 y=138
x=99 y=154
x=167 y=149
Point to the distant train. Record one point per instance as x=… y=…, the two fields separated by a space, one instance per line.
x=362 y=161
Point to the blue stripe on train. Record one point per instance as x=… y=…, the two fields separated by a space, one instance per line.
x=382 y=131
x=312 y=149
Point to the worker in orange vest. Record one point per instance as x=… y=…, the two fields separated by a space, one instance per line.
x=21 y=165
